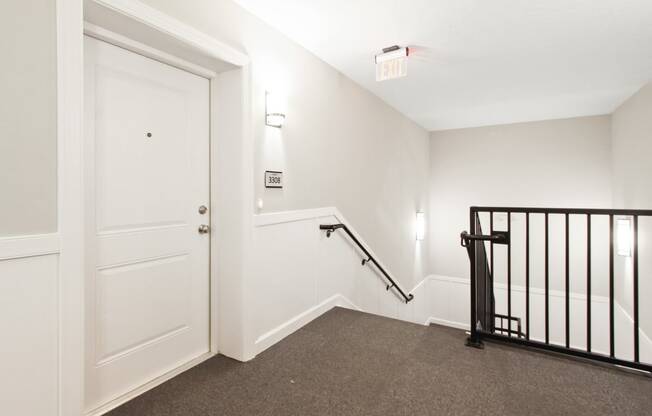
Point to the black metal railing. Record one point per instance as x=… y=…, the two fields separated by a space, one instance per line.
x=483 y=313
x=508 y=329
x=330 y=228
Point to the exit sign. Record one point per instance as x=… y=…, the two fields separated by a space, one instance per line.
x=392 y=63
x=392 y=69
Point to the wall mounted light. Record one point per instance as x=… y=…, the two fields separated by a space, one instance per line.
x=421 y=225
x=274 y=117
x=624 y=236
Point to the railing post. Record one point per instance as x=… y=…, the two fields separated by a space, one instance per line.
x=635 y=282
x=474 y=339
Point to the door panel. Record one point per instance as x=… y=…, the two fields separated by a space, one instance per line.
x=144 y=191
x=130 y=314
x=147 y=154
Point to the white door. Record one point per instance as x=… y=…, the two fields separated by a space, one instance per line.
x=147 y=174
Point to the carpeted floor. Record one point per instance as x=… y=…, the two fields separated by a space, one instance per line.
x=351 y=363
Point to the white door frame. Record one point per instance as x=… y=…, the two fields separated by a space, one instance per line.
x=231 y=141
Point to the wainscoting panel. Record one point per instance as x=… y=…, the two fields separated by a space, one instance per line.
x=29 y=318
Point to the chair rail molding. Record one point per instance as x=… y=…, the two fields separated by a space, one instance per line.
x=29 y=246
x=280 y=217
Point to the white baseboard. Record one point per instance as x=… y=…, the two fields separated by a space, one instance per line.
x=290 y=326
x=444 y=322
x=148 y=386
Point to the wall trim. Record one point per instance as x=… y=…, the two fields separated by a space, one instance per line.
x=521 y=289
x=124 y=42
x=272 y=218
x=187 y=34
x=419 y=284
x=70 y=200
x=29 y=246
x=444 y=322
x=292 y=325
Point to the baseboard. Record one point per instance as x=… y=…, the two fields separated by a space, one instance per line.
x=444 y=322
x=290 y=326
x=148 y=386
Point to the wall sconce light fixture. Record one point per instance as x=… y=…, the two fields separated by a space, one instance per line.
x=273 y=115
x=421 y=226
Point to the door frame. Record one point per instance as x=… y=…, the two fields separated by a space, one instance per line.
x=231 y=156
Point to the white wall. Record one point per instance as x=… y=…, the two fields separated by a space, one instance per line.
x=28 y=147
x=558 y=163
x=632 y=173
x=632 y=146
x=340 y=146
x=30 y=309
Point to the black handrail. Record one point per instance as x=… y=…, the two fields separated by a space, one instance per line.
x=330 y=228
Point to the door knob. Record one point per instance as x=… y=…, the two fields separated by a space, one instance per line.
x=203 y=209
x=204 y=229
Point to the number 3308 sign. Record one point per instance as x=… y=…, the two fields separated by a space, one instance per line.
x=273 y=179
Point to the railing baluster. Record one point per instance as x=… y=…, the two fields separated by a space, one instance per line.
x=567 y=282
x=491 y=245
x=546 y=281
x=612 y=342
x=527 y=275
x=635 y=282
x=588 y=282
x=491 y=261
x=509 y=275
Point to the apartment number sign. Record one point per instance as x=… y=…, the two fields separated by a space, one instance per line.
x=273 y=179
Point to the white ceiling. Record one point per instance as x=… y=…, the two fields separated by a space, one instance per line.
x=481 y=62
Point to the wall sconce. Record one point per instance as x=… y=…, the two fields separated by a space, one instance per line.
x=421 y=225
x=624 y=236
x=273 y=115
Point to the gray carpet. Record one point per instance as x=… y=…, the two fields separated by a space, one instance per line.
x=351 y=363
